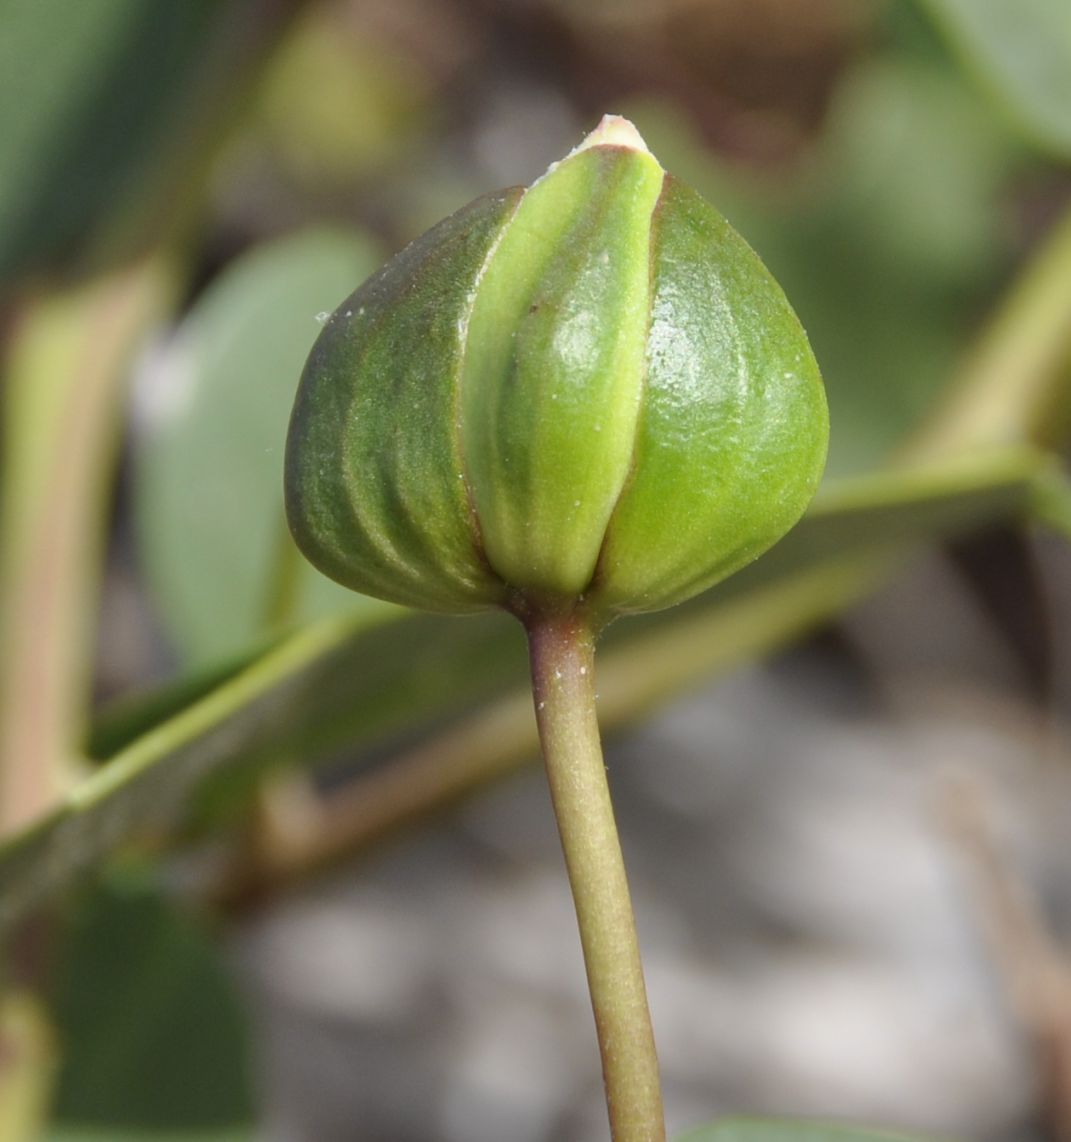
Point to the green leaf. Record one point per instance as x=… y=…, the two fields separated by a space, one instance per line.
x=369 y=683
x=209 y=486
x=107 y=110
x=1021 y=52
x=786 y=1130
x=127 y=718
x=152 y=1037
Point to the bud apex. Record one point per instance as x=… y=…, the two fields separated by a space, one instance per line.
x=588 y=389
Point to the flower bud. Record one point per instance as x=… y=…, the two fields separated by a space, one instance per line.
x=588 y=390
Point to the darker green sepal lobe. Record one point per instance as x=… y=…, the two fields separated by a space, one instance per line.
x=375 y=489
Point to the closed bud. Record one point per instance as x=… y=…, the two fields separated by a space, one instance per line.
x=590 y=391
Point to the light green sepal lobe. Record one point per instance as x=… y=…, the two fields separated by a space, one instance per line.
x=375 y=490
x=554 y=368
x=731 y=439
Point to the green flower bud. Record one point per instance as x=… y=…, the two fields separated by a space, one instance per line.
x=589 y=390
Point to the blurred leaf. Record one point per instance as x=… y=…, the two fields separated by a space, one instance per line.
x=1052 y=504
x=1021 y=52
x=132 y=715
x=1015 y=385
x=892 y=237
x=151 y=1033
x=209 y=498
x=901 y=508
x=107 y=110
x=78 y=1134
x=786 y=1130
x=367 y=683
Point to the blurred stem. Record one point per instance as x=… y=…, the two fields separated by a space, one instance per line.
x=1034 y=968
x=1052 y=503
x=562 y=651
x=1015 y=385
x=64 y=379
x=27 y=1067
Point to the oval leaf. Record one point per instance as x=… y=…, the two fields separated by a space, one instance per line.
x=153 y=1036
x=1022 y=53
x=209 y=480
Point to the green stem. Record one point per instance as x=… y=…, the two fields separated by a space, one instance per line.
x=563 y=682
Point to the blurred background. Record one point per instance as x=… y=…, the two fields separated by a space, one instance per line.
x=851 y=860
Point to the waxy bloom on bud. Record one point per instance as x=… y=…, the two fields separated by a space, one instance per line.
x=590 y=392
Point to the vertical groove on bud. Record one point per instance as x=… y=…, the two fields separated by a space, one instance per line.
x=731 y=440
x=463 y=328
